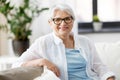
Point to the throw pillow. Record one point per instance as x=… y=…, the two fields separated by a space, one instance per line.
x=21 y=73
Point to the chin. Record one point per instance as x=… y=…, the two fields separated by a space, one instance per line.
x=64 y=33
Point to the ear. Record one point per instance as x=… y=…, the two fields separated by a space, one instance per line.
x=49 y=21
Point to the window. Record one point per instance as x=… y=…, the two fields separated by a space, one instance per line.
x=84 y=10
x=107 y=10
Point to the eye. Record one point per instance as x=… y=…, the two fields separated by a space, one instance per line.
x=68 y=19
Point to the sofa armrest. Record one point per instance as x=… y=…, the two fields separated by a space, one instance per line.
x=21 y=73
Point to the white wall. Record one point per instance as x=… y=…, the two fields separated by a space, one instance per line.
x=104 y=37
x=3 y=43
x=40 y=26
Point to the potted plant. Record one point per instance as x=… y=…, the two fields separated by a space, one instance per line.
x=97 y=25
x=19 y=18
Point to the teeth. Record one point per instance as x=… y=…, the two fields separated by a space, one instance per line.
x=63 y=27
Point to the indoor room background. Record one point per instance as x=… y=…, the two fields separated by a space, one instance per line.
x=107 y=10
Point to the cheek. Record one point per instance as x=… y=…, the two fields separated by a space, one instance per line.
x=71 y=25
x=54 y=27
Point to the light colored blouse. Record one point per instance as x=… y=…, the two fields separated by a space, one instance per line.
x=76 y=65
x=52 y=48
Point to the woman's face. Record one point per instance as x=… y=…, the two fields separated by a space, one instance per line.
x=61 y=23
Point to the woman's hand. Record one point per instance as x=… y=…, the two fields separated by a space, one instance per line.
x=111 y=78
x=43 y=62
x=51 y=66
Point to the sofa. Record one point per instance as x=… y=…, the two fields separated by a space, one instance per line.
x=109 y=53
x=21 y=73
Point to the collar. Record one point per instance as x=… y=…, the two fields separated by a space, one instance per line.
x=57 y=40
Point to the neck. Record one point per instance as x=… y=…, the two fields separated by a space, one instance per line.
x=65 y=38
x=68 y=40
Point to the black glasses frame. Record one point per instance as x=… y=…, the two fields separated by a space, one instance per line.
x=64 y=19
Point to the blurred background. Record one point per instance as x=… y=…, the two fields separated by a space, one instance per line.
x=108 y=12
x=29 y=19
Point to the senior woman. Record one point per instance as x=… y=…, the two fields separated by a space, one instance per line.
x=69 y=56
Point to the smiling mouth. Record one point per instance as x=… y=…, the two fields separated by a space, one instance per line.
x=63 y=28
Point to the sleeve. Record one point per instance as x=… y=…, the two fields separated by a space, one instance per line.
x=33 y=52
x=97 y=66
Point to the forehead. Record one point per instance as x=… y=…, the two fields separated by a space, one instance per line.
x=60 y=13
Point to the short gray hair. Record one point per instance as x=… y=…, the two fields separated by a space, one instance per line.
x=63 y=7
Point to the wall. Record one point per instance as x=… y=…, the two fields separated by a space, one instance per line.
x=104 y=37
x=40 y=26
x=3 y=43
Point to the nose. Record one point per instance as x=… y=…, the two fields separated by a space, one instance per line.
x=63 y=22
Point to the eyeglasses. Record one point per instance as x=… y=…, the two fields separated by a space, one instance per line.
x=58 y=21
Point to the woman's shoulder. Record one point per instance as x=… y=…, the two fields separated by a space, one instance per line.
x=84 y=40
x=82 y=37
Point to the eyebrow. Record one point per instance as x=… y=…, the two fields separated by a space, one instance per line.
x=61 y=18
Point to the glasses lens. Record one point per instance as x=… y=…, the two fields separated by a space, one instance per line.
x=57 y=20
x=68 y=20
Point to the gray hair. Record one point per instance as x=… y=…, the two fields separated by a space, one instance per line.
x=63 y=7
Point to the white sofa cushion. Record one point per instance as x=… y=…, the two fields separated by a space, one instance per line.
x=47 y=75
x=110 y=55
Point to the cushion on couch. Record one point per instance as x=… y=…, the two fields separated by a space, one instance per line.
x=109 y=53
x=21 y=73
